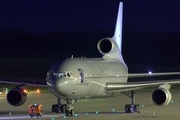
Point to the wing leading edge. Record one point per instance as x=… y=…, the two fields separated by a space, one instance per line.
x=123 y=87
x=151 y=74
x=28 y=83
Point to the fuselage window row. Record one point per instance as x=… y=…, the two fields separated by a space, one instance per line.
x=60 y=74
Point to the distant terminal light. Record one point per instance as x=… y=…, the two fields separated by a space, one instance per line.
x=150 y=73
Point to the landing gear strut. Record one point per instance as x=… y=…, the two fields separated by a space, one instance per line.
x=132 y=107
x=59 y=107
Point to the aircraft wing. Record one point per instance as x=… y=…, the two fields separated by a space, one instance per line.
x=28 y=83
x=123 y=87
x=151 y=74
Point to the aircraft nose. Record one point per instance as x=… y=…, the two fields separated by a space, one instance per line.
x=61 y=86
x=58 y=86
x=50 y=82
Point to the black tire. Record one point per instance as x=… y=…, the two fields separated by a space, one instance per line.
x=137 y=108
x=67 y=112
x=63 y=108
x=72 y=113
x=127 y=108
x=54 y=108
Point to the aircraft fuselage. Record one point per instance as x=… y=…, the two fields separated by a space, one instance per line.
x=81 y=78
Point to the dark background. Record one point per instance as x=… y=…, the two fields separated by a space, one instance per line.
x=56 y=29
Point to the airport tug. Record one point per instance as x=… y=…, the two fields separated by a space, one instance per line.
x=35 y=110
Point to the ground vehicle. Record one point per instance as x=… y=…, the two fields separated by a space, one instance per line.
x=35 y=110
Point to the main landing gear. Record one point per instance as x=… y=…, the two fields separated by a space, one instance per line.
x=129 y=108
x=64 y=108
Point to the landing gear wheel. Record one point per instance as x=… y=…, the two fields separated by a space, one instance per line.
x=67 y=112
x=54 y=108
x=137 y=108
x=63 y=108
x=127 y=108
x=72 y=113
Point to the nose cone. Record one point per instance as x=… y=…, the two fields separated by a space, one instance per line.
x=58 y=86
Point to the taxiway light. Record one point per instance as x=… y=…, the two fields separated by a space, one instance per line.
x=52 y=118
x=96 y=112
x=171 y=101
x=38 y=91
x=86 y=113
x=142 y=105
x=64 y=116
x=113 y=110
x=75 y=115
x=150 y=72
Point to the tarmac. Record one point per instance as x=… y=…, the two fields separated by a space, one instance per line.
x=95 y=109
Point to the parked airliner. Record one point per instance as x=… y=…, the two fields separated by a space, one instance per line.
x=86 y=78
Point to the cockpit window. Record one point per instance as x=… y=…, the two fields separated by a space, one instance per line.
x=68 y=75
x=60 y=74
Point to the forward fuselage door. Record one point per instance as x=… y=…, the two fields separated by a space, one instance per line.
x=81 y=75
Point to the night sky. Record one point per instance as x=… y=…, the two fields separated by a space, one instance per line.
x=80 y=15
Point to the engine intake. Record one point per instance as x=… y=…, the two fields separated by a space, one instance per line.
x=16 y=97
x=105 y=46
x=161 y=97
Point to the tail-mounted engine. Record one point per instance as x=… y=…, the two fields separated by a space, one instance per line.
x=161 y=97
x=107 y=46
x=16 y=97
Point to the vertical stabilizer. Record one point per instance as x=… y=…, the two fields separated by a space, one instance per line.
x=118 y=29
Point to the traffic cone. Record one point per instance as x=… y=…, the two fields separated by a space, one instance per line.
x=9 y=113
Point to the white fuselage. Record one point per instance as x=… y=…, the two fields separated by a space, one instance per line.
x=87 y=79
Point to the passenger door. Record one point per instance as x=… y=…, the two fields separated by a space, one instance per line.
x=81 y=75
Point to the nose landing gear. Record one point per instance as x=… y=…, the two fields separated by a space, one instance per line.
x=59 y=107
x=64 y=108
x=69 y=108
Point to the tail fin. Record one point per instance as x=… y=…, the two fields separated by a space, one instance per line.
x=118 y=29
